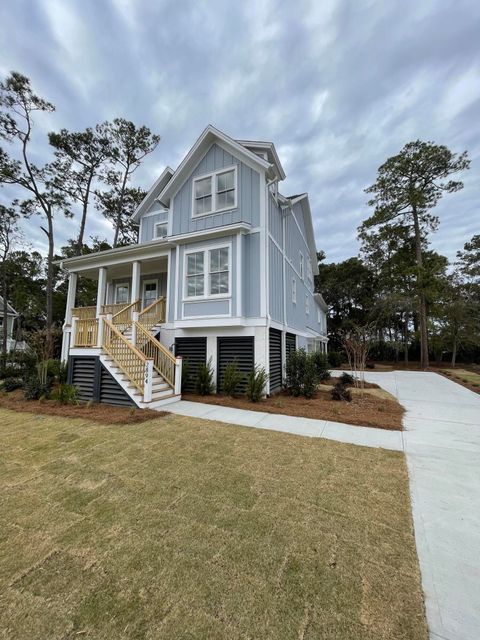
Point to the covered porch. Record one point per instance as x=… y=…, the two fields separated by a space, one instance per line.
x=127 y=291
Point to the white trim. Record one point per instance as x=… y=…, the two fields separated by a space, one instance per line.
x=177 y=284
x=213 y=175
x=167 y=305
x=263 y=245
x=294 y=291
x=207 y=296
x=149 y=199
x=117 y=286
x=163 y=209
x=160 y=224
x=302 y=265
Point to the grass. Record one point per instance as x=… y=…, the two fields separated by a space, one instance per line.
x=372 y=408
x=470 y=379
x=179 y=528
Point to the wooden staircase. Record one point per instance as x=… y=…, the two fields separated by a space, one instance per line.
x=143 y=367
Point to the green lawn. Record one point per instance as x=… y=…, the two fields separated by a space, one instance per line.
x=180 y=528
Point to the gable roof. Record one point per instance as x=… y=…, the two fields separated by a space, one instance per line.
x=269 y=149
x=158 y=186
x=209 y=136
x=10 y=310
x=307 y=219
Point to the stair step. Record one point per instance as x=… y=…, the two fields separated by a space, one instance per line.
x=161 y=394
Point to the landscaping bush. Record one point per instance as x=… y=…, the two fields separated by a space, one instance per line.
x=341 y=392
x=66 y=394
x=335 y=358
x=34 y=388
x=302 y=373
x=57 y=370
x=232 y=378
x=321 y=365
x=256 y=381
x=204 y=382
x=10 y=384
x=347 y=379
x=185 y=374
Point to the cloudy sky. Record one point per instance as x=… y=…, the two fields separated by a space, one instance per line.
x=338 y=86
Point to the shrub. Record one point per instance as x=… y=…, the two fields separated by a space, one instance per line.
x=232 y=378
x=204 y=383
x=10 y=384
x=185 y=373
x=57 y=370
x=335 y=358
x=347 y=379
x=66 y=394
x=341 y=392
x=256 y=381
x=321 y=365
x=302 y=373
x=34 y=389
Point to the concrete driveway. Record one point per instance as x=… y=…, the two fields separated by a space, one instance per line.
x=442 y=445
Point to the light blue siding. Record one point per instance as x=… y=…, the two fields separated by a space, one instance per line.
x=276 y=288
x=275 y=221
x=193 y=246
x=298 y=213
x=251 y=275
x=248 y=196
x=161 y=278
x=206 y=308
x=147 y=225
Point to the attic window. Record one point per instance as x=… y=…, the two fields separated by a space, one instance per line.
x=161 y=229
x=215 y=192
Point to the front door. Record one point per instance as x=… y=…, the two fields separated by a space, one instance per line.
x=150 y=292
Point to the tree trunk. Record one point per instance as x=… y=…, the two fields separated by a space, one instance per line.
x=5 y=314
x=405 y=336
x=120 y=207
x=83 y=220
x=454 y=351
x=49 y=285
x=422 y=303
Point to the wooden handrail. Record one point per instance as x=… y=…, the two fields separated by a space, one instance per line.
x=163 y=361
x=123 y=318
x=84 y=313
x=85 y=332
x=153 y=314
x=126 y=356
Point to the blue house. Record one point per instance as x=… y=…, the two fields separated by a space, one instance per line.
x=223 y=269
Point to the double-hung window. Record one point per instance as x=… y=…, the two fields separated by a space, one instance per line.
x=215 y=192
x=218 y=271
x=195 y=274
x=208 y=273
x=161 y=229
x=302 y=266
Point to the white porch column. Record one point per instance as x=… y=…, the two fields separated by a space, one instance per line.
x=135 y=281
x=101 y=290
x=72 y=292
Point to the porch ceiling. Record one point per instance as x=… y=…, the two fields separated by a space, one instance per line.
x=124 y=270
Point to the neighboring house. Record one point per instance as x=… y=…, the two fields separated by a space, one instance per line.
x=224 y=269
x=9 y=323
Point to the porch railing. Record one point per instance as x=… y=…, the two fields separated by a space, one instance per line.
x=163 y=361
x=123 y=318
x=153 y=314
x=133 y=363
x=85 y=332
x=84 y=313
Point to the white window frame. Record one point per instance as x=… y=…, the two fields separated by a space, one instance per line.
x=144 y=284
x=294 y=291
x=206 y=273
x=302 y=266
x=307 y=305
x=213 y=177
x=155 y=227
x=117 y=286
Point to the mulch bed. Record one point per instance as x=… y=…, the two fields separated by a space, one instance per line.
x=94 y=412
x=367 y=410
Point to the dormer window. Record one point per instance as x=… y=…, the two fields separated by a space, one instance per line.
x=215 y=192
x=161 y=229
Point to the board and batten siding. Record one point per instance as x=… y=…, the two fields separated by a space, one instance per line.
x=251 y=275
x=149 y=220
x=248 y=196
x=276 y=287
x=275 y=220
x=161 y=278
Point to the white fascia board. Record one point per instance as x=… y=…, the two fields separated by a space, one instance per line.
x=266 y=146
x=320 y=301
x=307 y=217
x=149 y=199
x=209 y=135
x=153 y=248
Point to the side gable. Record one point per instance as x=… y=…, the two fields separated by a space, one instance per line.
x=149 y=203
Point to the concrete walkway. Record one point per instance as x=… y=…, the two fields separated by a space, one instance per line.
x=442 y=445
